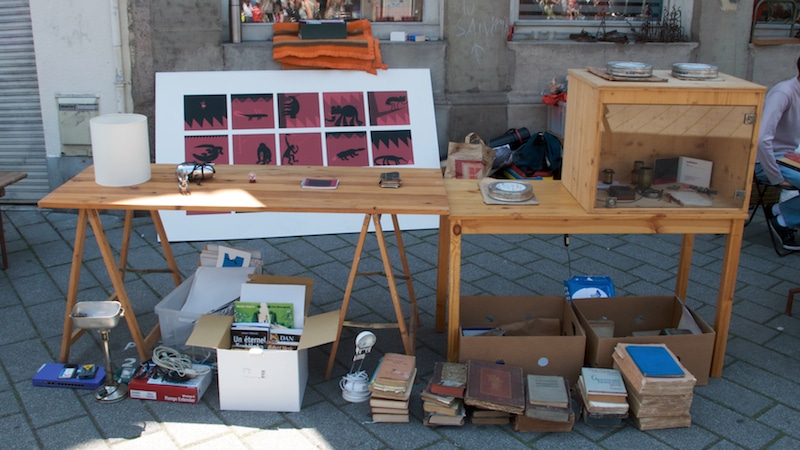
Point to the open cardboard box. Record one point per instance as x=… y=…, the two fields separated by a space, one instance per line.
x=645 y=314
x=258 y=379
x=560 y=354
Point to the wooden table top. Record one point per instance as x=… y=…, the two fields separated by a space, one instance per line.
x=277 y=189
x=7 y=178
x=558 y=212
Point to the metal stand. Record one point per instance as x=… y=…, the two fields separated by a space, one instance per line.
x=111 y=391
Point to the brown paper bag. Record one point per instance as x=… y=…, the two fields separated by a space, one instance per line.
x=470 y=159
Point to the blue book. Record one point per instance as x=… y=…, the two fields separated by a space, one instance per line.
x=655 y=361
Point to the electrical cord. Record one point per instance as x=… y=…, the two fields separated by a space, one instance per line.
x=171 y=360
x=354 y=387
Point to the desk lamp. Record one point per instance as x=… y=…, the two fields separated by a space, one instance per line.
x=102 y=316
x=354 y=384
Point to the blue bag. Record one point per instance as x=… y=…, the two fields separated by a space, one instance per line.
x=541 y=152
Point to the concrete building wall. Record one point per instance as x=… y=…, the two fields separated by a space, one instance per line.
x=481 y=81
x=75 y=57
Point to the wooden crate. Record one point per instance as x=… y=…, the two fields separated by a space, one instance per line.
x=611 y=124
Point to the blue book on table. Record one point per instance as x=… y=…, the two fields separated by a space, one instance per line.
x=654 y=361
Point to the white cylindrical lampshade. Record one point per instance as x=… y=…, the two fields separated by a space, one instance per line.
x=120 y=149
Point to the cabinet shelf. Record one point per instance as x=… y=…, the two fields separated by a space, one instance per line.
x=611 y=124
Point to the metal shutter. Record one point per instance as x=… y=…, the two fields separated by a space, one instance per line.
x=21 y=131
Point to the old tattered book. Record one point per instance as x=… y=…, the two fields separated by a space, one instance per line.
x=499 y=387
x=449 y=378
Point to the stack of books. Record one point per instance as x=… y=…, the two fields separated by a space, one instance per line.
x=660 y=388
x=391 y=386
x=443 y=397
x=548 y=407
x=603 y=396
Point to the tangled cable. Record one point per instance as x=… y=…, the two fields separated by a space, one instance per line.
x=171 y=360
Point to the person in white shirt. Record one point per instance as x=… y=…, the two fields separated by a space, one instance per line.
x=780 y=134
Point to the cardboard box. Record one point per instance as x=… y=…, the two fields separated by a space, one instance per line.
x=258 y=379
x=542 y=355
x=190 y=391
x=638 y=314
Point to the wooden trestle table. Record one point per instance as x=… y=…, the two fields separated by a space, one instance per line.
x=559 y=213
x=277 y=189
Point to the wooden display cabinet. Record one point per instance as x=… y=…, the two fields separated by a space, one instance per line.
x=612 y=124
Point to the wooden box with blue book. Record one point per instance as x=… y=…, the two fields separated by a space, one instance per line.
x=648 y=320
x=540 y=334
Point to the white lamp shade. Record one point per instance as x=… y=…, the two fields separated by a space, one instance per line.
x=120 y=149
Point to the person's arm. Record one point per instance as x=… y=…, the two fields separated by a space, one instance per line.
x=775 y=104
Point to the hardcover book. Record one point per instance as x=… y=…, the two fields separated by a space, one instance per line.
x=318 y=183
x=376 y=402
x=449 y=379
x=457 y=419
x=390 y=418
x=379 y=410
x=654 y=361
x=391 y=392
x=395 y=369
x=547 y=390
x=528 y=424
x=600 y=404
x=452 y=410
x=495 y=386
x=428 y=396
x=606 y=382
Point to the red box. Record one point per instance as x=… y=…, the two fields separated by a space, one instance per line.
x=190 y=391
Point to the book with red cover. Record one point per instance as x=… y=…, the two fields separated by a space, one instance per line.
x=449 y=379
x=498 y=387
x=790 y=160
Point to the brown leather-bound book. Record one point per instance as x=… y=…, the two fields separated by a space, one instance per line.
x=493 y=386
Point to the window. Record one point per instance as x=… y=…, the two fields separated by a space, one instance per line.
x=270 y=11
x=774 y=19
x=412 y=16
x=612 y=11
x=612 y=20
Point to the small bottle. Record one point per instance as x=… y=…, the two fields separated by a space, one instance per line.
x=637 y=167
x=252 y=177
x=608 y=176
x=645 y=178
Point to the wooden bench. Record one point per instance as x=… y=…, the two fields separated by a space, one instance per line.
x=6 y=179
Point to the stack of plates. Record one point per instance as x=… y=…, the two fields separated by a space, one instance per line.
x=694 y=71
x=629 y=69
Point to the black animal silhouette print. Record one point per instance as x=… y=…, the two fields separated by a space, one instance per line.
x=349 y=153
x=290 y=154
x=344 y=115
x=264 y=154
x=388 y=160
x=212 y=152
x=396 y=103
x=291 y=107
